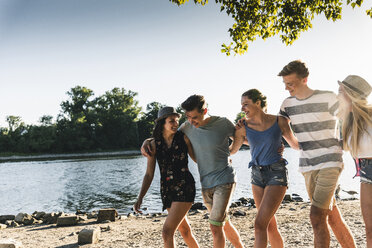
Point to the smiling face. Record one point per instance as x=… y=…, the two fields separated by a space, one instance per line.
x=294 y=84
x=196 y=118
x=249 y=107
x=171 y=124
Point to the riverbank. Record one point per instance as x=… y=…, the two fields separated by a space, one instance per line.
x=18 y=158
x=145 y=231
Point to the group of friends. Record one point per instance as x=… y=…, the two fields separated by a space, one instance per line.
x=308 y=120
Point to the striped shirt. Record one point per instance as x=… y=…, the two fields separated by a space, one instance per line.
x=314 y=123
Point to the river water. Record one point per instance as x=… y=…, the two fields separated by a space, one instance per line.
x=68 y=185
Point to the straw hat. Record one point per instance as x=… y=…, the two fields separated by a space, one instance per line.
x=357 y=84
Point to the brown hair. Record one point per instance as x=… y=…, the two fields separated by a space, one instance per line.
x=255 y=95
x=194 y=102
x=296 y=66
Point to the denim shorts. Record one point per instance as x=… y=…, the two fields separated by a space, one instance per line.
x=273 y=174
x=365 y=170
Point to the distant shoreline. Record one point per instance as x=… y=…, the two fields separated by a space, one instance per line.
x=18 y=158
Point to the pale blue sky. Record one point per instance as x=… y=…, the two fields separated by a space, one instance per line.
x=162 y=51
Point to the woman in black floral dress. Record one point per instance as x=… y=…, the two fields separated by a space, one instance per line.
x=177 y=184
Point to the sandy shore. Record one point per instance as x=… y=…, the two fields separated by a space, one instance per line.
x=145 y=231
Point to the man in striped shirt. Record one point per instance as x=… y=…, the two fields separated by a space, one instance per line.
x=312 y=116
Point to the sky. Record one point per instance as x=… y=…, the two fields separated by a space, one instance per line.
x=163 y=52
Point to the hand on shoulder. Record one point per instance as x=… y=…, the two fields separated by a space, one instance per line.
x=148 y=147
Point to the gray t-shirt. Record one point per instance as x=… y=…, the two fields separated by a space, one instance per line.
x=211 y=147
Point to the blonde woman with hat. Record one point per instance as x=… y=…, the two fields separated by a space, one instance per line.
x=171 y=148
x=356 y=116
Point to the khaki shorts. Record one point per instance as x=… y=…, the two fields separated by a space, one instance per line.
x=217 y=200
x=321 y=185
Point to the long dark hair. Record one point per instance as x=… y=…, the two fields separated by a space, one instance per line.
x=157 y=133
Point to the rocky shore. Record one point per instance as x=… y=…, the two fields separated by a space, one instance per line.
x=107 y=229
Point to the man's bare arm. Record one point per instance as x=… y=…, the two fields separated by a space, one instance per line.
x=146 y=149
x=190 y=149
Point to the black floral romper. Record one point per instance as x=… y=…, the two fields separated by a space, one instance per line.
x=176 y=181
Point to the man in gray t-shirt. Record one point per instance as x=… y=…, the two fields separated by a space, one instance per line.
x=209 y=136
x=211 y=149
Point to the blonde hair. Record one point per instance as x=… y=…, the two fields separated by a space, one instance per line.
x=355 y=122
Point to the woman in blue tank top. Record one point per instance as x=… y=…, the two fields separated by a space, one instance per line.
x=264 y=133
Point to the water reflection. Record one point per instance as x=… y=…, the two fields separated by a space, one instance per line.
x=68 y=185
x=101 y=183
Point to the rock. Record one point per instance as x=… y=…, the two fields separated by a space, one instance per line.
x=198 y=205
x=239 y=213
x=38 y=215
x=50 y=218
x=89 y=236
x=4 y=218
x=11 y=223
x=23 y=218
x=297 y=199
x=194 y=212
x=233 y=205
x=67 y=220
x=10 y=243
x=105 y=228
x=31 y=221
x=79 y=212
x=251 y=201
x=244 y=200
x=82 y=218
x=3 y=226
x=292 y=209
x=206 y=216
x=19 y=218
x=107 y=214
x=92 y=215
x=287 y=198
x=60 y=214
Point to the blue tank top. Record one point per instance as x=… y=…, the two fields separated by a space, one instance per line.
x=264 y=145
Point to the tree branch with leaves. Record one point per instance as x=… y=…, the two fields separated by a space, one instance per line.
x=267 y=18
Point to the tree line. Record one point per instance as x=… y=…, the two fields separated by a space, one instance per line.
x=112 y=121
